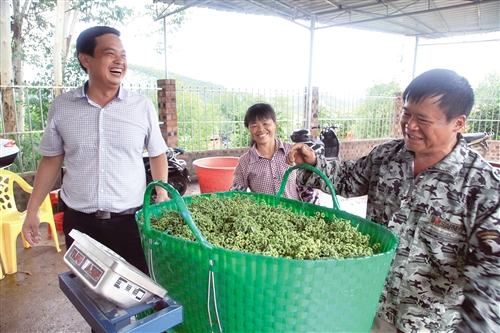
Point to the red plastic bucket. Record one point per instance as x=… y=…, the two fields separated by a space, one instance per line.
x=215 y=174
x=58 y=219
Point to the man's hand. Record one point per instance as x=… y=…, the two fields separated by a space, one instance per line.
x=30 y=229
x=159 y=171
x=301 y=153
x=48 y=171
x=161 y=194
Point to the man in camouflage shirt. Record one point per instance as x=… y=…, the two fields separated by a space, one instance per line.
x=441 y=199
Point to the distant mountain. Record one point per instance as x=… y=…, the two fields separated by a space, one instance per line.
x=148 y=75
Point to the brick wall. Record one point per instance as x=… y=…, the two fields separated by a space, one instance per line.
x=167 y=109
x=314 y=112
x=352 y=150
x=493 y=154
x=349 y=150
x=397 y=110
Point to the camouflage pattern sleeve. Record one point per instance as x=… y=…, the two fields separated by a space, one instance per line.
x=445 y=275
x=349 y=179
x=480 y=309
x=308 y=194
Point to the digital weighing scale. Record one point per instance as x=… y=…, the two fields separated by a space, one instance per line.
x=108 y=291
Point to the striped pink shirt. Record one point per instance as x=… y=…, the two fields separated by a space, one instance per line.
x=263 y=175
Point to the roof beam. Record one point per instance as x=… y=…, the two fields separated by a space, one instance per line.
x=386 y=17
x=422 y=24
x=194 y=4
x=343 y=8
x=403 y=17
x=437 y=9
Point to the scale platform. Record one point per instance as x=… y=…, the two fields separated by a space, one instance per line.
x=108 y=291
x=104 y=316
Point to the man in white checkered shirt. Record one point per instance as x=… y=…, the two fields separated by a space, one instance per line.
x=100 y=131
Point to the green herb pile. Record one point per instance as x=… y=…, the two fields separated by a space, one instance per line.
x=241 y=223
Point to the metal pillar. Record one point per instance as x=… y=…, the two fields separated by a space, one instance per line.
x=309 y=87
x=165 y=45
x=415 y=57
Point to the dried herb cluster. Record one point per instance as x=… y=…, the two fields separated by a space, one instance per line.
x=241 y=223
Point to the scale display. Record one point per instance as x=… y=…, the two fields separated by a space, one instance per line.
x=92 y=270
x=77 y=256
x=84 y=264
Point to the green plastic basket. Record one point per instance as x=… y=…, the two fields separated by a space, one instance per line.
x=232 y=291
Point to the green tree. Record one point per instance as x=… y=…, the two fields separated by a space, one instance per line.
x=376 y=111
x=212 y=118
x=193 y=112
x=485 y=115
x=31 y=37
x=48 y=47
x=333 y=113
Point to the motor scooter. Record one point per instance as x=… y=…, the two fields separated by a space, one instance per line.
x=478 y=141
x=328 y=144
x=178 y=174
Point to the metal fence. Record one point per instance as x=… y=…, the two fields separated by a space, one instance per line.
x=357 y=116
x=213 y=118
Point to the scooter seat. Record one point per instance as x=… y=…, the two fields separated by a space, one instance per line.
x=301 y=135
x=469 y=137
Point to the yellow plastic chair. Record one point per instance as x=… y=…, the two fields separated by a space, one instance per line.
x=11 y=219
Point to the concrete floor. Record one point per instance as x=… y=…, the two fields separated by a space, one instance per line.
x=31 y=300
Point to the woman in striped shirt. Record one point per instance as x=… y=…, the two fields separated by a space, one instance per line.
x=261 y=169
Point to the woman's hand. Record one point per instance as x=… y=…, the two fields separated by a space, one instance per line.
x=301 y=153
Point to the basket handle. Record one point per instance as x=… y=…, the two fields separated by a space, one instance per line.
x=176 y=197
x=313 y=169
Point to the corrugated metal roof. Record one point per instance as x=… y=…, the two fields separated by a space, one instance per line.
x=423 y=18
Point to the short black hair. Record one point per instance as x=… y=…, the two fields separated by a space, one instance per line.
x=456 y=94
x=259 y=111
x=86 y=42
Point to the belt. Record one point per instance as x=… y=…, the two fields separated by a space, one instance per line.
x=105 y=215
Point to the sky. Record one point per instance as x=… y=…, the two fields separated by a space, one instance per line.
x=256 y=52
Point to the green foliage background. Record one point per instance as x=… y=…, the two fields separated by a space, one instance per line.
x=367 y=116
x=485 y=115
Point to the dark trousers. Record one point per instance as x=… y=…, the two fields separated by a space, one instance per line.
x=119 y=233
